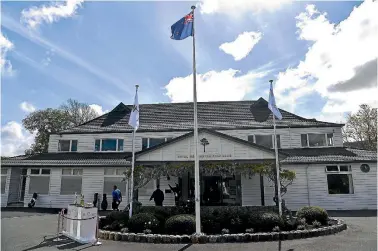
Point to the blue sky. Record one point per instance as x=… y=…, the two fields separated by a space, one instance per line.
x=97 y=53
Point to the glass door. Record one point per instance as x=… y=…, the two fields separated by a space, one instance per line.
x=23 y=184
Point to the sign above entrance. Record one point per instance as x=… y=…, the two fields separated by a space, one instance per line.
x=205 y=156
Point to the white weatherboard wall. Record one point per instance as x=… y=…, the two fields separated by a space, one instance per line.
x=251 y=193
x=290 y=137
x=4 y=196
x=218 y=149
x=365 y=189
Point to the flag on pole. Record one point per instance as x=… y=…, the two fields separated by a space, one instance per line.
x=183 y=28
x=272 y=104
x=134 y=116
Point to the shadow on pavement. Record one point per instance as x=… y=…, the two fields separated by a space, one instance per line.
x=63 y=243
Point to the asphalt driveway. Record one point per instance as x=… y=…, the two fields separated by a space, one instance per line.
x=28 y=231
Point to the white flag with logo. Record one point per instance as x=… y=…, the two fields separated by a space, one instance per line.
x=272 y=104
x=134 y=115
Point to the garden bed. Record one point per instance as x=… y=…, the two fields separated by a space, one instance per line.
x=218 y=224
x=338 y=226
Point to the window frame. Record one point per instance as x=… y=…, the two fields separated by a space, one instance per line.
x=272 y=136
x=70 y=147
x=148 y=141
x=326 y=140
x=39 y=175
x=4 y=175
x=349 y=173
x=70 y=175
x=117 y=144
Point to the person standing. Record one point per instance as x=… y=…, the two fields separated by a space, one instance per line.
x=117 y=198
x=158 y=196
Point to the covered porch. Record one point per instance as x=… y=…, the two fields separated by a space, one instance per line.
x=229 y=171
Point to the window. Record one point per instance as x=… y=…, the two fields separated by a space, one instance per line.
x=67 y=146
x=104 y=145
x=316 y=139
x=339 y=179
x=71 y=181
x=150 y=142
x=4 y=172
x=265 y=140
x=39 y=181
x=113 y=177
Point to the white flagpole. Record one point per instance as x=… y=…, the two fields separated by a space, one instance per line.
x=132 y=167
x=196 y=160
x=277 y=165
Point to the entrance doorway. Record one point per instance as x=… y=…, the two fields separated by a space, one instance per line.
x=22 y=184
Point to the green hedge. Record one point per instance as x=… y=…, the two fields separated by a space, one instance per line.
x=142 y=221
x=312 y=213
x=181 y=224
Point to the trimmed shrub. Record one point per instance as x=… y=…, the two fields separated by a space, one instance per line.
x=181 y=224
x=142 y=221
x=265 y=221
x=301 y=227
x=316 y=224
x=312 y=213
x=120 y=216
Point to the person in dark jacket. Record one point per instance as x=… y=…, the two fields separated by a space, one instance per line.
x=158 y=196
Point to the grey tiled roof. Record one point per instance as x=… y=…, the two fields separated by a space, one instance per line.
x=328 y=155
x=179 y=116
x=69 y=159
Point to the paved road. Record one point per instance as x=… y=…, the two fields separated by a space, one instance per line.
x=25 y=231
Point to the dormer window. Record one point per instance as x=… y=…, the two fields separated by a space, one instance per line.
x=150 y=142
x=266 y=140
x=317 y=139
x=67 y=146
x=104 y=145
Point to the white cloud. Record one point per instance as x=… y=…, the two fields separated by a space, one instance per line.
x=98 y=109
x=239 y=7
x=341 y=56
x=5 y=46
x=213 y=86
x=35 y=16
x=15 y=139
x=242 y=45
x=27 y=107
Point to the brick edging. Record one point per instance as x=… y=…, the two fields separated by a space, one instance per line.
x=223 y=238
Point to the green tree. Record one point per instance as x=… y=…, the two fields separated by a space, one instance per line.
x=362 y=127
x=48 y=121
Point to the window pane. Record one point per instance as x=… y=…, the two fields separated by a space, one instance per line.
x=70 y=185
x=120 y=171
x=144 y=143
x=97 y=145
x=332 y=169
x=304 y=140
x=109 y=171
x=34 y=171
x=4 y=171
x=345 y=168
x=156 y=141
x=330 y=139
x=340 y=183
x=264 y=140
x=250 y=139
x=120 y=145
x=45 y=171
x=66 y=171
x=39 y=184
x=316 y=139
x=109 y=182
x=109 y=145
x=278 y=141
x=74 y=146
x=78 y=172
x=64 y=145
x=3 y=182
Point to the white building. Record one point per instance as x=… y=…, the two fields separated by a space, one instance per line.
x=91 y=158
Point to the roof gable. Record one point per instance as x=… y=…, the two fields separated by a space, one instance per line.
x=214 y=146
